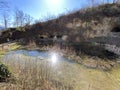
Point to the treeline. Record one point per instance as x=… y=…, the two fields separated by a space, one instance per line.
x=15 y=18
x=105 y=1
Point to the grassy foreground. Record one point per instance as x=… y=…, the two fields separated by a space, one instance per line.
x=36 y=74
x=29 y=74
x=8 y=47
x=32 y=73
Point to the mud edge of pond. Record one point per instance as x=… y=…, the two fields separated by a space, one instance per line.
x=95 y=63
x=86 y=61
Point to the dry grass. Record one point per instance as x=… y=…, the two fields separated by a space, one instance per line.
x=35 y=74
x=32 y=74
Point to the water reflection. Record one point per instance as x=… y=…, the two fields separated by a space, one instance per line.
x=54 y=58
x=42 y=55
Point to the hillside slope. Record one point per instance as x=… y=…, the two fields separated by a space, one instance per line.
x=89 y=22
x=85 y=25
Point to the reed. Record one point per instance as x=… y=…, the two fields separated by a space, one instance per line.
x=33 y=74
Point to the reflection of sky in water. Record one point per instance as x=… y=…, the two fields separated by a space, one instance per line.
x=38 y=54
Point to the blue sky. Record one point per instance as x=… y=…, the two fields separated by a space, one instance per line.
x=41 y=8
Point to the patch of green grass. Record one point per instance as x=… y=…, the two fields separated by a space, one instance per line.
x=11 y=46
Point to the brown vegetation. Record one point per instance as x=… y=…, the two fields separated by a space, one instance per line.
x=77 y=27
x=32 y=74
x=87 y=23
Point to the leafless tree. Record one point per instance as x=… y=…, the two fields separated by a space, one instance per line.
x=16 y=20
x=19 y=18
x=4 y=11
x=96 y=2
x=28 y=19
x=6 y=19
x=22 y=19
x=92 y=2
x=114 y=1
x=118 y=2
x=102 y=1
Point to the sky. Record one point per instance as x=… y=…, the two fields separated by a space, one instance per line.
x=43 y=8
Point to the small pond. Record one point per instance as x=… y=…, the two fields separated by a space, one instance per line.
x=42 y=55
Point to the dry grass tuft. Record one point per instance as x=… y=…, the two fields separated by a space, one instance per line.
x=32 y=74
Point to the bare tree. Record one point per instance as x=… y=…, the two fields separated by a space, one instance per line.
x=16 y=20
x=19 y=18
x=4 y=11
x=6 y=19
x=102 y=1
x=95 y=2
x=92 y=2
x=28 y=19
x=118 y=2
x=114 y=1
x=22 y=19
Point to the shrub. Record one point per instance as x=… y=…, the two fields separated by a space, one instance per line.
x=4 y=73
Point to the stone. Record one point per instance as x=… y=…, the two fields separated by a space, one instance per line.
x=112 y=63
x=65 y=37
x=105 y=67
x=90 y=63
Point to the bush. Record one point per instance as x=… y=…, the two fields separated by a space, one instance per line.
x=4 y=73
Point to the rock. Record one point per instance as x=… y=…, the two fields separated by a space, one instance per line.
x=90 y=63
x=78 y=59
x=5 y=47
x=108 y=66
x=102 y=67
x=118 y=61
x=112 y=63
x=105 y=67
x=65 y=37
